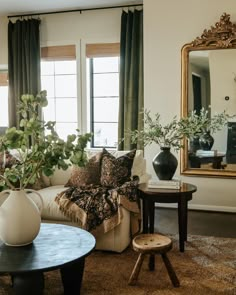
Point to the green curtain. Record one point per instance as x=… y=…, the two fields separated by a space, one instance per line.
x=23 y=63
x=131 y=78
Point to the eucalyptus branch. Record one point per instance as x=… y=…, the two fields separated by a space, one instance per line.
x=34 y=171
x=168 y=135
x=7 y=182
x=45 y=152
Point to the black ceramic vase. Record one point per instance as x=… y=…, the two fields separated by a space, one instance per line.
x=206 y=141
x=165 y=164
x=194 y=145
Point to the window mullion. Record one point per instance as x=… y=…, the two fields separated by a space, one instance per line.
x=92 y=100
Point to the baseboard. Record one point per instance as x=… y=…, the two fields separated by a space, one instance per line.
x=201 y=207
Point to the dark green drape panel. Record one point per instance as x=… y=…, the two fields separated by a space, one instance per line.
x=23 y=63
x=131 y=77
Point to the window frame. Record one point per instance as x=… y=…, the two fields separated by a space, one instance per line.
x=3 y=83
x=59 y=53
x=96 y=50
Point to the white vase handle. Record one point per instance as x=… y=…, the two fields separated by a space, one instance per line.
x=7 y=191
x=35 y=192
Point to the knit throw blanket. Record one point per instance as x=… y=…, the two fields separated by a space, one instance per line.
x=98 y=209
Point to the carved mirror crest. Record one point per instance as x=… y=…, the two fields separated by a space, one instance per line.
x=209 y=82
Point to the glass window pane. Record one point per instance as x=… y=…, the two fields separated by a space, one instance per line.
x=105 y=134
x=65 y=67
x=47 y=83
x=66 y=110
x=106 y=84
x=65 y=86
x=105 y=64
x=111 y=105
x=64 y=129
x=49 y=111
x=47 y=68
x=4 y=106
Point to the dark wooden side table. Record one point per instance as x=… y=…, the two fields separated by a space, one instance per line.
x=181 y=196
x=56 y=247
x=196 y=161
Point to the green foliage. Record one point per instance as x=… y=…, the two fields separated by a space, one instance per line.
x=168 y=135
x=38 y=148
x=172 y=134
x=194 y=125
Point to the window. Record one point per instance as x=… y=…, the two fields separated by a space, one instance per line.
x=59 y=78
x=4 y=99
x=103 y=90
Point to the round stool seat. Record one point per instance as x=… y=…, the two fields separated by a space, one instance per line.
x=151 y=242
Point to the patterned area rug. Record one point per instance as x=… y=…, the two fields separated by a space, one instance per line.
x=207 y=267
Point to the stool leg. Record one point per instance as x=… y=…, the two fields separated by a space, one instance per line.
x=170 y=270
x=151 y=263
x=134 y=276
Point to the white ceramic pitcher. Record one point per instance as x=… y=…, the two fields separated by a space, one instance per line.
x=20 y=218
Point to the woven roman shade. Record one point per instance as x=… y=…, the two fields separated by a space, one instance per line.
x=65 y=52
x=102 y=50
x=3 y=79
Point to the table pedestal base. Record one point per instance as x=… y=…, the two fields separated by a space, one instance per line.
x=28 y=283
x=72 y=276
x=32 y=283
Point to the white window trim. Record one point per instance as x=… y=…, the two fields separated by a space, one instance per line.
x=78 y=65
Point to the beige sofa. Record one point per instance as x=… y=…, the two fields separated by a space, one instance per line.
x=116 y=239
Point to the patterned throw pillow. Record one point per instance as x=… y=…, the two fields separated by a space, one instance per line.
x=90 y=174
x=116 y=171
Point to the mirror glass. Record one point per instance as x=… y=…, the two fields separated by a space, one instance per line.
x=209 y=82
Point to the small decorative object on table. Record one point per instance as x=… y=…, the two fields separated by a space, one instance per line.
x=38 y=150
x=165 y=164
x=165 y=184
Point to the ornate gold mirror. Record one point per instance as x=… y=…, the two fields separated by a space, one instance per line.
x=209 y=81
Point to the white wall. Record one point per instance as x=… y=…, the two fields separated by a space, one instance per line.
x=3 y=42
x=222 y=72
x=168 y=25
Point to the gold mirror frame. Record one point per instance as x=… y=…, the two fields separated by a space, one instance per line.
x=220 y=36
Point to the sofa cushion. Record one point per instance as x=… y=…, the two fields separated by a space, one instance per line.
x=50 y=208
x=116 y=171
x=139 y=164
x=90 y=174
x=61 y=177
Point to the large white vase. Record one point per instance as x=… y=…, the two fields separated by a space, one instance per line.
x=20 y=218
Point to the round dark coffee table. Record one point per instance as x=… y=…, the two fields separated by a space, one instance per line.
x=56 y=247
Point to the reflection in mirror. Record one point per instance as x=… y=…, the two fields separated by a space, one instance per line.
x=199 y=81
x=209 y=82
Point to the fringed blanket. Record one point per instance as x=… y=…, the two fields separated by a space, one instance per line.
x=96 y=208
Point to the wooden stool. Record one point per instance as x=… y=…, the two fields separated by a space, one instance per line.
x=152 y=244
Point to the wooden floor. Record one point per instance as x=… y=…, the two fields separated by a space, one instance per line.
x=206 y=223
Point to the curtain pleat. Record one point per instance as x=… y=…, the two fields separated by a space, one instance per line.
x=131 y=78
x=23 y=63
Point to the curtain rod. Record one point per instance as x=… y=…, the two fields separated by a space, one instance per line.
x=73 y=10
